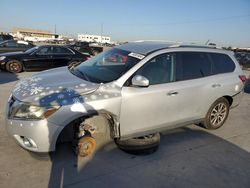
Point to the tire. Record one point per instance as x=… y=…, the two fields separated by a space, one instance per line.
x=94 y=52
x=14 y=66
x=217 y=114
x=140 y=145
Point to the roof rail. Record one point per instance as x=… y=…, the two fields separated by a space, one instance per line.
x=167 y=41
x=195 y=46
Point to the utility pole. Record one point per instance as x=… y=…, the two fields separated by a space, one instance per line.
x=207 y=42
x=101 y=31
x=55 y=28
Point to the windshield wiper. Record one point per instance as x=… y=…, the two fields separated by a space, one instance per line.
x=72 y=65
x=83 y=75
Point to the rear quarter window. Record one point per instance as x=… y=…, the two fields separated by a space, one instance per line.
x=222 y=63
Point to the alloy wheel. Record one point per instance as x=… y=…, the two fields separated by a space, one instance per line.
x=218 y=114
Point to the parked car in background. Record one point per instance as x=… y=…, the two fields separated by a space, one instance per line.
x=85 y=47
x=4 y=37
x=40 y=58
x=15 y=46
x=137 y=90
x=246 y=64
x=243 y=59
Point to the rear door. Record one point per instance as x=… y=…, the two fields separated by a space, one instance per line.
x=61 y=56
x=195 y=74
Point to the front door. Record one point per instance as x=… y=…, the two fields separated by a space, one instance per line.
x=144 y=109
x=39 y=60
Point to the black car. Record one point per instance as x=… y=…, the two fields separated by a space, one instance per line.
x=14 y=46
x=4 y=37
x=85 y=47
x=243 y=59
x=41 y=58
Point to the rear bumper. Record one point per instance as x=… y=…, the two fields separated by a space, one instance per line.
x=237 y=99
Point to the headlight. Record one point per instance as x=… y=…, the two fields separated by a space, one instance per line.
x=2 y=58
x=27 y=111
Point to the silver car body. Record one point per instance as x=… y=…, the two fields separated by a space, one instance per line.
x=136 y=111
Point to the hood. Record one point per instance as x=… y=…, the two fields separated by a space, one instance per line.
x=54 y=86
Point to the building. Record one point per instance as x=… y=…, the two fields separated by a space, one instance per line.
x=34 y=35
x=94 y=38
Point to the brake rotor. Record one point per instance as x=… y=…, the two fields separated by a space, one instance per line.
x=86 y=146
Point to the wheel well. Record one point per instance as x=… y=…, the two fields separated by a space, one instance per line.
x=229 y=99
x=67 y=133
x=14 y=60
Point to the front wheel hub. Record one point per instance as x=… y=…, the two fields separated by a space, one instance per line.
x=86 y=146
x=14 y=67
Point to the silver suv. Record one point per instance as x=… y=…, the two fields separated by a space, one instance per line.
x=135 y=89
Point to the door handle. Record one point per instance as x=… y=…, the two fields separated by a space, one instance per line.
x=172 y=93
x=216 y=85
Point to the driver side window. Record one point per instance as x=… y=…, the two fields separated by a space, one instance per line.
x=159 y=70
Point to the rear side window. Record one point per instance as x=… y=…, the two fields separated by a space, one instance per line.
x=192 y=65
x=61 y=50
x=222 y=63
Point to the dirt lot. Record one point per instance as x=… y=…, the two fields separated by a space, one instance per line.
x=187 y=157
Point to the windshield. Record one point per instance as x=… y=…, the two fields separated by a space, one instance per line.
x=106 y=66
x=32 y=49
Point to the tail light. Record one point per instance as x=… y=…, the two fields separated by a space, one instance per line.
x=88 y=57
x=243 y=78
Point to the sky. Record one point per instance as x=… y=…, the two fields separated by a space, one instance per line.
x=224 y=22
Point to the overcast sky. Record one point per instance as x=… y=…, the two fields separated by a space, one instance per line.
x=224 y=22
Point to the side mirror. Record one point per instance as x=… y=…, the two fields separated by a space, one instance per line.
x=140 y=81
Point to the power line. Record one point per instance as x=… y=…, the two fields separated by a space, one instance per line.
x=190 y=21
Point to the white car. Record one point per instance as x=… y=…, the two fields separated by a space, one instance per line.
x=137 y=89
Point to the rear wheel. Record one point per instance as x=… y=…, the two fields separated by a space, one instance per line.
x=94 y=52
x=140 y=145
x=217 y=114
x=14 y=66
